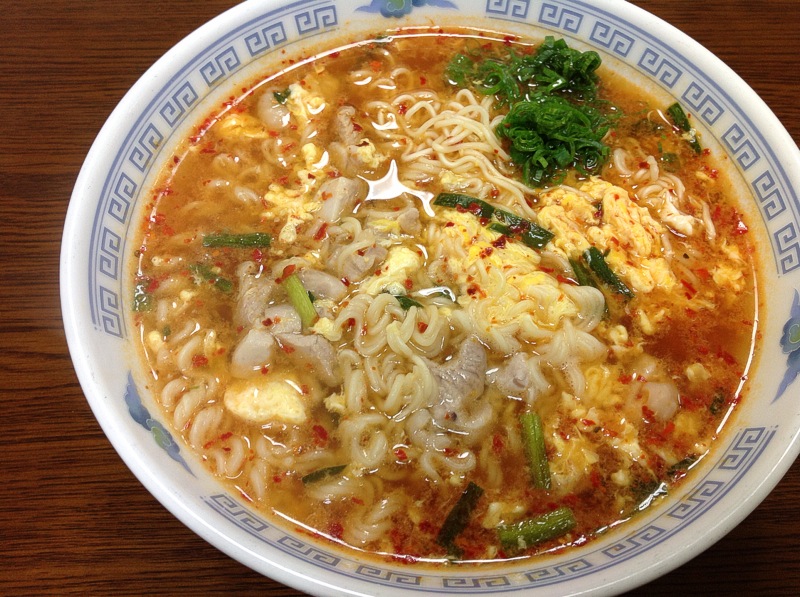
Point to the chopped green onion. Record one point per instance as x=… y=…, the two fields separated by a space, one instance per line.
x=582 y=275
x=282 y=96
x=322 y=473
x=681 y=120
x=203 y=273
x=597 y=263
x=555 y=121
x=680 y=467
x=253 y=240
x=458 y=518
x=300 y=300
x=529 y=532
x=507 y=223
x=549 y=135
x=475 y=206
x=406 y=302
x=533 y=442
x=553 y=68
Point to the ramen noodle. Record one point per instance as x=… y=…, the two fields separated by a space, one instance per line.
x=364 y=313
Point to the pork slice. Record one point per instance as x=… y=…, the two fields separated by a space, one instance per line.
x=314 y=352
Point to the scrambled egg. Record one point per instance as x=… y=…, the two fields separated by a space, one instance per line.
x=368 y=154
x=262 y=401
x=297 y=205
x=243 y=125
x=516 y=287
x=400 y=264
x=303 y=105
x=605 y=216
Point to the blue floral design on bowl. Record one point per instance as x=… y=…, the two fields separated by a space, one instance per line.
x=790 y=343
x=400 y=8
x=141 y=415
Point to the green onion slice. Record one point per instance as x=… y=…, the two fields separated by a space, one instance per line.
x=320 y=474
x=529 y=532
x=458 y=517
x=300 y=300
x=533 y=442
x=253 y=240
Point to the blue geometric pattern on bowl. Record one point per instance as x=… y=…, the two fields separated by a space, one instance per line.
x=726 y=120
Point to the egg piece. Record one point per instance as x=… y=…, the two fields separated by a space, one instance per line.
x=243 y=125
x=400 y=264
x=368 y=154
x=603 y=215
x=262 y=401
x=303 y=104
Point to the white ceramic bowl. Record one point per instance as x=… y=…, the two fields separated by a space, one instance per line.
x=761 y=440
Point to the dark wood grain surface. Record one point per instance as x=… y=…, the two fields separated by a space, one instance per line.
x=73 y=519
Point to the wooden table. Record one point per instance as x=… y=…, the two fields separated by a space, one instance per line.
x=74 y=519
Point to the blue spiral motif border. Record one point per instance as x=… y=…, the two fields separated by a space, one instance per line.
x=731 y=465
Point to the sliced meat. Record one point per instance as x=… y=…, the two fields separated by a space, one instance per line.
x=322 y=284
x=461 y=382
x=315 y=352
x=339 y=196
x=356 y=266
x=271 y=112
x=514 y=377
x=282 y=319
x=254 y=293
x=345 y=126
x=253 y=353
x=409 y=221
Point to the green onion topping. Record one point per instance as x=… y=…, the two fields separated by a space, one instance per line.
x=300 y=300
x=533 y=442
x=320 y=474
x=253 y=240
x=531 y=531
x=458 y=517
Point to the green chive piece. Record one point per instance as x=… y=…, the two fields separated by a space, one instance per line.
x=458 y=517
x=505 y=222
x=203 y=273
x=406 y=302
x=300 y=300
x=681 y=120
x=597 y=263
x=253 y=240
x=529 y=532
x=320 y=474
x=533 y=442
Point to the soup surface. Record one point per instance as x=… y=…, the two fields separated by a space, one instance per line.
x=446 y=296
